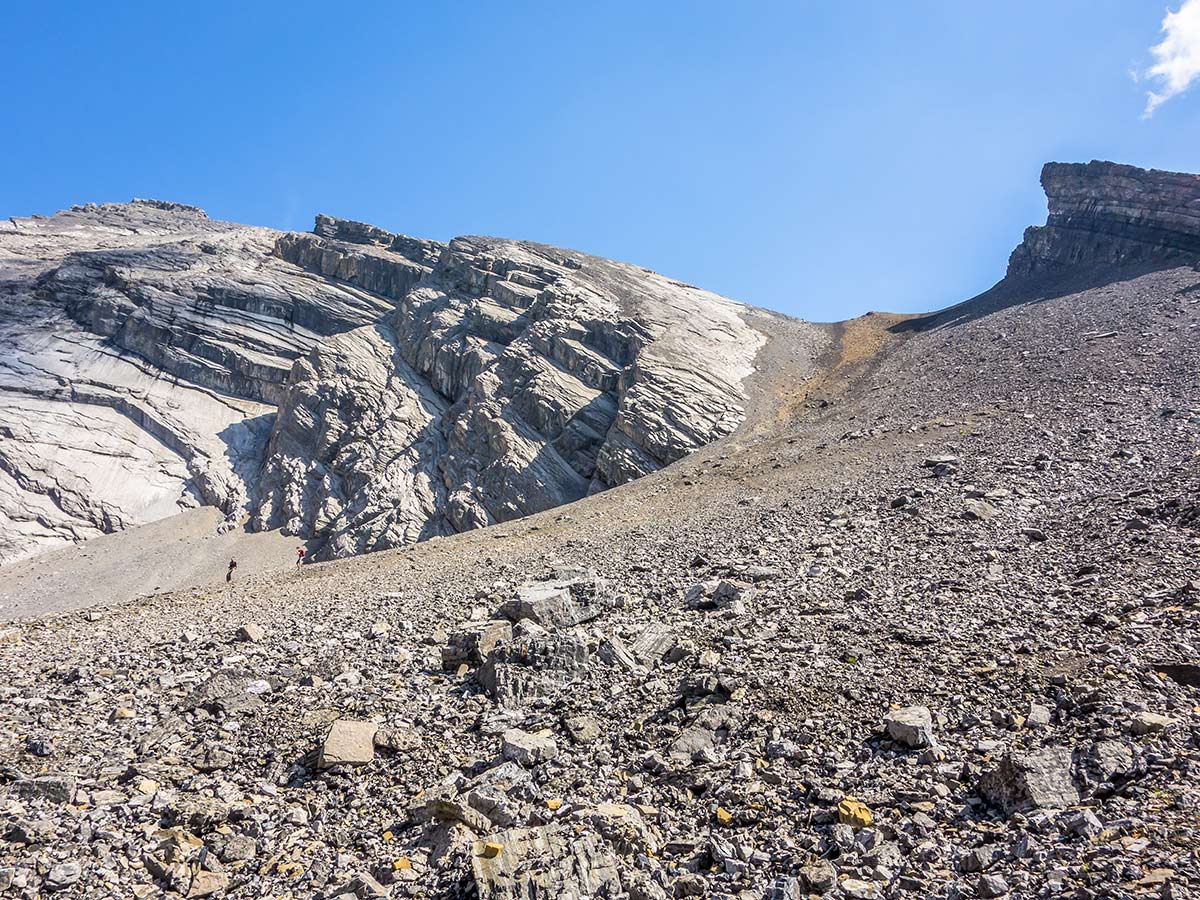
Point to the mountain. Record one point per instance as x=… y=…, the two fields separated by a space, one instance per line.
x=357 y=389
x=923 y=624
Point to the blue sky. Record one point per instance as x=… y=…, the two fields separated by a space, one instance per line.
x=821 y=159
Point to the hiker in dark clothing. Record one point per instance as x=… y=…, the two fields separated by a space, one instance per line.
x=232 y=566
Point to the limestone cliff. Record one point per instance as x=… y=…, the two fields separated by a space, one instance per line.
x=354 y=387
x=1102 y=213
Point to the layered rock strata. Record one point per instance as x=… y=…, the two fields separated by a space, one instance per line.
x=510 y=378
x=1102 y=213
x=354 y=387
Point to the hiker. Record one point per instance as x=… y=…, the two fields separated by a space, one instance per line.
x=232 y=566
x=299 y=555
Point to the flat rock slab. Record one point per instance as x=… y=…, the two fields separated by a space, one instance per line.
x=549 y=863
x=528 y=749
x=349 y=743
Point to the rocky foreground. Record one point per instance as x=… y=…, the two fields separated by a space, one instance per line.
x=926 y=625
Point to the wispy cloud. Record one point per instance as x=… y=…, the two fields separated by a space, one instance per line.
x=1177 y=57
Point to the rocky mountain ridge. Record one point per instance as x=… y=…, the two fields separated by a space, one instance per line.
x=356 y=388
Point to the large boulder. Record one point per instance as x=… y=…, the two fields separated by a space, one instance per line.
x=1042 y=779
x=911 y=726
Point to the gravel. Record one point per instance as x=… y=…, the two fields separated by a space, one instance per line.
x=752 y=674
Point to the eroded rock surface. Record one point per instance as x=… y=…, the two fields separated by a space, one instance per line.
x=353 y=387
x=1103 y=213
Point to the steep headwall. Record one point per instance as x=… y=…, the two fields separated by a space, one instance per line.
x=354 y=387
x=511 y=378
x=1103 y=213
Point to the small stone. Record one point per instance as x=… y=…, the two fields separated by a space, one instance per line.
x=528 y=749
x=583 y=729
x=251 y=633
x=936 y=462
x=1040 y=780
x=349 y=743
x=860 y=890
x=978 y=511
x=297 y=815
x=819 y=876
x=991 y=886
x=854 y=813
x=364 y=887
x=1082 y=822
x=724 y=816
x=690 y=885
x=1109 y=760
x=206 y=884
x=977 y=860
x=63 y=875
x=1149 y=723
x=239 y=847
x=1037 y=717
x=214 y=759
x=490 y=849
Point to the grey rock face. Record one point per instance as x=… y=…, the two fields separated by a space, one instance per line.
x=356 y=388
x=546 y=862
x=1105 y=213
x=1039 y=780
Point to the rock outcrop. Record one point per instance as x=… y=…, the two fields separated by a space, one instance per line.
x=356 y=388
x=1102 y=213
x=511 y=378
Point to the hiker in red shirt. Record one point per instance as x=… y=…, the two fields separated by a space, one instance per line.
x=299 y=555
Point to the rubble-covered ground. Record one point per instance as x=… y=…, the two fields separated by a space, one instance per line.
x=926 y=625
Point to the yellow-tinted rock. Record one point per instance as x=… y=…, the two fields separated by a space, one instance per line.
x=854 y=813
x=724 y=816
x=402 y=863
x=490 y=850
x=554 y=805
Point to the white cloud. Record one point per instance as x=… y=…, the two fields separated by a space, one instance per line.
x=1177 y=57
